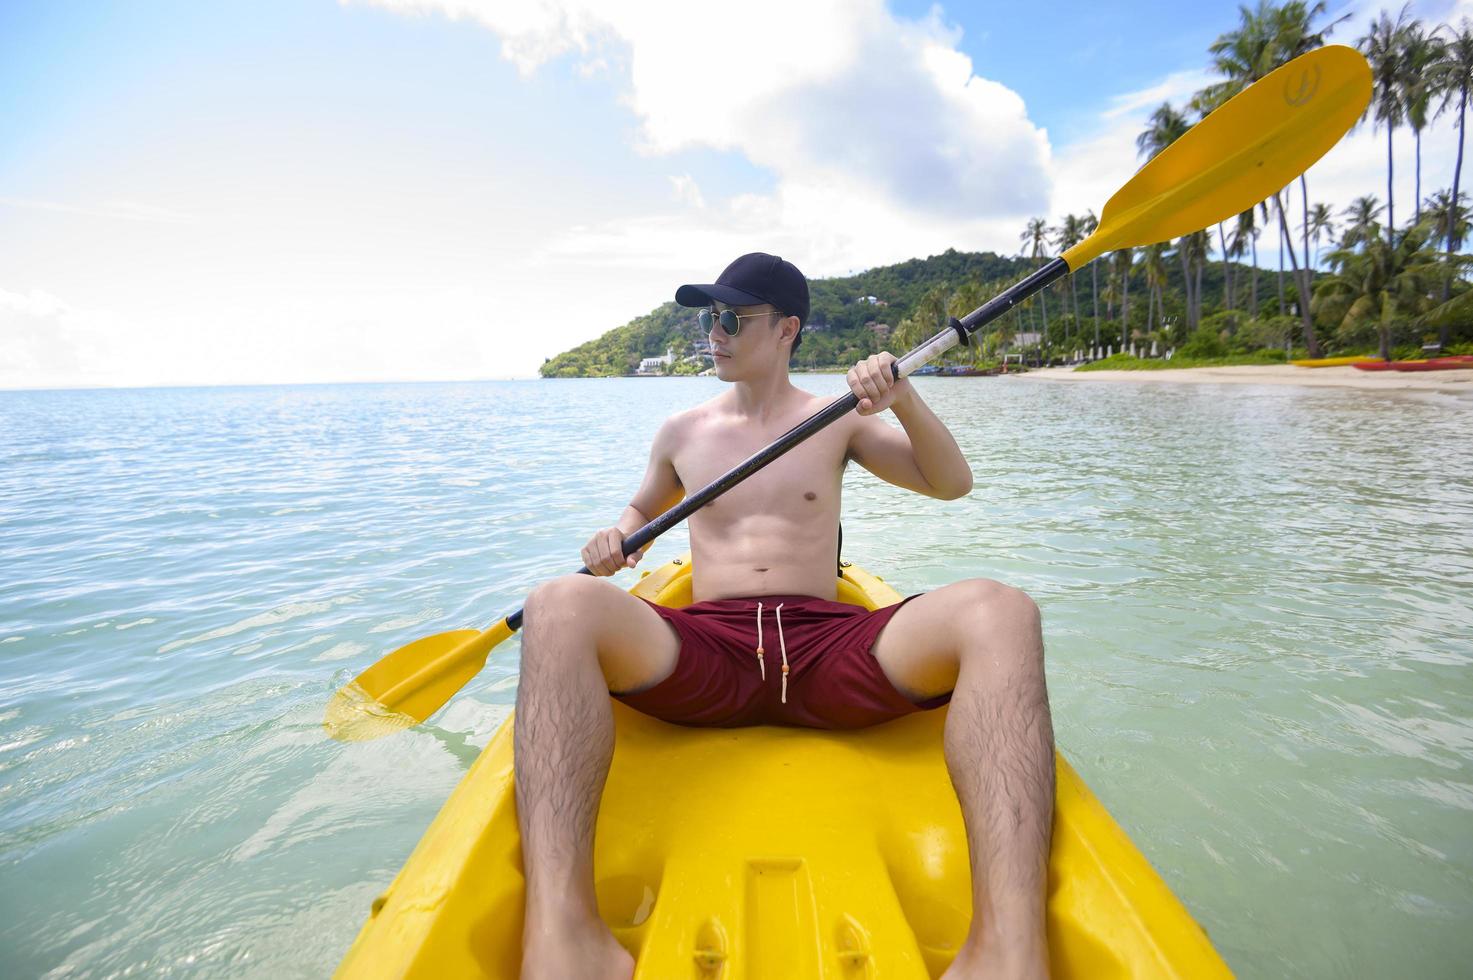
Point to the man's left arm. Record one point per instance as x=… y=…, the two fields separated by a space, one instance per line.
x=922 y=456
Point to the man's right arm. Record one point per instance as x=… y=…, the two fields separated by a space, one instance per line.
x=658 y=492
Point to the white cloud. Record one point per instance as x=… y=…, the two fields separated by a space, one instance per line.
x=124 y=210
x=687 y=191
x=394 y=333
x=33 y=304
x=45 y=341
x=883 y=140
x=1178 y=87
x=1088 y=170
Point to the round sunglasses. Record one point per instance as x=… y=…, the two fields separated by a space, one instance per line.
x=731 y=321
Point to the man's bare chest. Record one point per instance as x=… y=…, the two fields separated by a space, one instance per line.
x=810 y=472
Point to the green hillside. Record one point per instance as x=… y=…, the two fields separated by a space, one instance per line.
x=836 y=321
x=911 y=300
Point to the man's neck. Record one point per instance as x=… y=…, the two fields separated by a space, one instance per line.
x=761 y=398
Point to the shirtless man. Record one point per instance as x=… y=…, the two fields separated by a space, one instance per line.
x=768 y=543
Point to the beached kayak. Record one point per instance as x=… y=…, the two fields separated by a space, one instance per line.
x=1319 y=362
x=746 y=854
x=1456 y=362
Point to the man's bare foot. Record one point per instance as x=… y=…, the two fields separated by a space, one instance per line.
x=579 y=950
x=990 y=960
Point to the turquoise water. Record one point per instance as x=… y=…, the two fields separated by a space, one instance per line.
x=1256 y=600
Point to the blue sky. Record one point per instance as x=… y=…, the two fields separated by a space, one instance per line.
x=1068 y=60
x=422 y=189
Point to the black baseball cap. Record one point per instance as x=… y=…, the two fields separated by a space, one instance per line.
x=753 y=279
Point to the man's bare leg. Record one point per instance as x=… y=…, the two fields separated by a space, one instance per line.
x=582 y=638
x=983 y=641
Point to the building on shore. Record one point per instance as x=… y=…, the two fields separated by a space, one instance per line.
x=656 y=365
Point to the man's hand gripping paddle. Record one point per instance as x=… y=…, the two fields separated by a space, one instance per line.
x=1242 y=153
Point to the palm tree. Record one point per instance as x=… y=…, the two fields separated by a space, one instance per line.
x=1007 y=326
x=1293 y=33
x=1245 y=239
x=1292 y=29
x=1111 y=292
x=1266 y=38
x=1360 y=221
x=1153 y=263
x=1123 y=259
x=1267 y=220
x=1311 y=343
x=1440 y=211
x=1070 y=233
x=1450 y=221
x=1165 y=126
x=1321 y=223
x=1452 y=75
x=1382 y=45
x=1420 y=50
x=972 y=294
x=1205 y=102
x=909 y=332
x=1184 y=252
x=1198 y=249
x=928 y=316
x=1242 y=56
x=1034 y=238
x=1088 y=226
x=1227 y=270
x=1380 y=285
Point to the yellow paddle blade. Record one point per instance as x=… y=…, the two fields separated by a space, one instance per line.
x=410 y=684
x=1242 y=153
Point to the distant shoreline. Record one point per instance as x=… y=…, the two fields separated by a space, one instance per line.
x=1452 y=382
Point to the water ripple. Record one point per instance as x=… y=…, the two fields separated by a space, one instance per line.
x=1256 y=602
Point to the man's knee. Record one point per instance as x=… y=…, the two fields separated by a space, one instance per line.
x=592 y=619
x=568 y=606
x=997 y=604
x=556 y=599
x=1007 y=618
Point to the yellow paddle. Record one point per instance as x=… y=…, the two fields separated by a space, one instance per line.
x=1239 y=155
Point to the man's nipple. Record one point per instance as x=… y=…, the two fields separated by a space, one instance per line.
x=810 y=495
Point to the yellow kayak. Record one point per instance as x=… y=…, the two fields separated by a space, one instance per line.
x=1319 y=362
x=758 y=853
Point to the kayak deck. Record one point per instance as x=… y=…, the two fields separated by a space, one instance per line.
x=772 y=852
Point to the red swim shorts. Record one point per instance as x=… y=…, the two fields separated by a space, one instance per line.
x=833 y=681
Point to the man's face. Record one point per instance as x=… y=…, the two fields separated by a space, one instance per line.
x=734 y=356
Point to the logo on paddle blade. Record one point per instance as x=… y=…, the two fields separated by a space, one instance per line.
x=1298 y=91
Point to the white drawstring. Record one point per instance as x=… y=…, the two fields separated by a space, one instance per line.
x=782 y=642
x=760 y=662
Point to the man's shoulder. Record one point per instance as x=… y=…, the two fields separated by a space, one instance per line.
x=688 y=418
x=683 y=424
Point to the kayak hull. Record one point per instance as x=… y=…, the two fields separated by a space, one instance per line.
x=1453 y=363
x=1436 y=364
x=772 y=852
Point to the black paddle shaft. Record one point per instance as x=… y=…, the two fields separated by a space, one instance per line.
x=838 y=408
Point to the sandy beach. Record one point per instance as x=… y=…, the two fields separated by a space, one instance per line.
x=1454 y=382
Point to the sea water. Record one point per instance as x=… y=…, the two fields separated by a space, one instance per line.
x=1258 y=604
